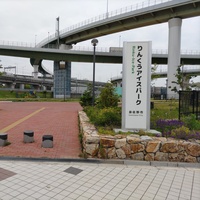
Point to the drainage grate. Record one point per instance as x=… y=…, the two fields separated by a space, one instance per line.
x=73 y=170
x=4 y=174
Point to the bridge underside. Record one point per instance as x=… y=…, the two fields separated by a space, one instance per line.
x=79 y=56
x=134 y=19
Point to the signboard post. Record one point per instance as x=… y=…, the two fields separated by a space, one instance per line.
x=136 y=85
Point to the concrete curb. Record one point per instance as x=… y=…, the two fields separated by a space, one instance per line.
x=106 y=161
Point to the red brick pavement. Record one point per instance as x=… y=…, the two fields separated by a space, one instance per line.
x=57 y=119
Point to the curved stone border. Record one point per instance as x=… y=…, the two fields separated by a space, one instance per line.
x=135 y=147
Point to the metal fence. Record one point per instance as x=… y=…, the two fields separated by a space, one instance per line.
x=189 y=102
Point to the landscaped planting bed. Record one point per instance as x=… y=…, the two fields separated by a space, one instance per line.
x=136 y=147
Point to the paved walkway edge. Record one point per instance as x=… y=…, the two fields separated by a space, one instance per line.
x=109 y=161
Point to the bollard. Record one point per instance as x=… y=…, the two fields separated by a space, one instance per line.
x=3 y=139
x=47 y=141
x=28 y=136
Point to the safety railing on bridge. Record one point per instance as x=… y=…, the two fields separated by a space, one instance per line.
x=16 y=43
x=98 y=49
x=120 y=11
x=104 y=16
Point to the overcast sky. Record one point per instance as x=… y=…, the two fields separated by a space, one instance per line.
x=32 y=20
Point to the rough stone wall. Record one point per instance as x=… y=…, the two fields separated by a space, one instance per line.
x=136 y=147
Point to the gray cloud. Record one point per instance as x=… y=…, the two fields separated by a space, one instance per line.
x=32 y=20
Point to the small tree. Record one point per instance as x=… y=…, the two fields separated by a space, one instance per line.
x=86 y=98
x=154 y=75
x=181 y=80
x=108 y=97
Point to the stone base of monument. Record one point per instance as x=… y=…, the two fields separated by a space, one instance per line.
x=151 y=131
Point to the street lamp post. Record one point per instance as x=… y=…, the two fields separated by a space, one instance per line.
x=48 y=39
x=94 y=43
x=35 y=40
x=107 y=10
x=58 y=31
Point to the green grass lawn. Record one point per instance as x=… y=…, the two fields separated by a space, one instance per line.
x=165 y=109
x=27 y=96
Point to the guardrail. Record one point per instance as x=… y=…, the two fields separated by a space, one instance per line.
x=17 y=43
x=104 y=16
x=120 y=11
x=98 y=49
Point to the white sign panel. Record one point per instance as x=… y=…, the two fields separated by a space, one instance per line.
x=136 y=83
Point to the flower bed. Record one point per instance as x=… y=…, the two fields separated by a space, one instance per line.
x=136 y=147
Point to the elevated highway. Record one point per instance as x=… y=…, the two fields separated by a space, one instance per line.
x=149 y=13
x=10 y=79
x=136 y=16
x=192 y=58
x=139 y=15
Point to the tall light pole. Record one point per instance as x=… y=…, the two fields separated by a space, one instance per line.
x=107 y=10
x=35 y=40
x=58 y=32
x=48 y=39
x=94 y=43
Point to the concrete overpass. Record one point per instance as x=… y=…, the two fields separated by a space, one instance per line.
x=87 y=56
x=139 y=15
x=11 y=80
x=122 y=20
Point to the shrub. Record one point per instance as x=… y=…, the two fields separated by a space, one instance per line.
x=86 y=98
x=104 y=116
x=108 y=97
x=191 y=122
x=165 y=126
x=184 y=133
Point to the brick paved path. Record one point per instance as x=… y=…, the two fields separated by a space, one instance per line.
x=57 y=119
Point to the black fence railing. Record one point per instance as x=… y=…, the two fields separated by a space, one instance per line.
x=189 y=102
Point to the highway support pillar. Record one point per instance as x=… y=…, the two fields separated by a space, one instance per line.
x=21 y=86
x=174 y=55
x=35 y=72
x=62 y=79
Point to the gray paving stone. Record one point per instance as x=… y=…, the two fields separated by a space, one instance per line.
x=107 y=182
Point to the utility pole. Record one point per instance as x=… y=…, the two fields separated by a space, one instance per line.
x=58 y=33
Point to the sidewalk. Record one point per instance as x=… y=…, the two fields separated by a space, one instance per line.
x=44 y=118
x=82 y=181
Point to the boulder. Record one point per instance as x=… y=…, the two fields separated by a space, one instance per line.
x=138 y=156
x=120 y=142
x=111 y=152
x=127 y=150
x=170 y=147
x=133 y=139
x=190 y=159
x=92 y=149
x=107 y=142
x=92 y=139
x=160 y=156
x=145 y=138
x=162 y=139
x=192 y=149
x=175 y=157
x=135 y=148
x=149 y=157
x=120 y=153
x=102 y=153
x=153 y=146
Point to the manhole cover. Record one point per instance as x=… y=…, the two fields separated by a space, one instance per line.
x=73 y=170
